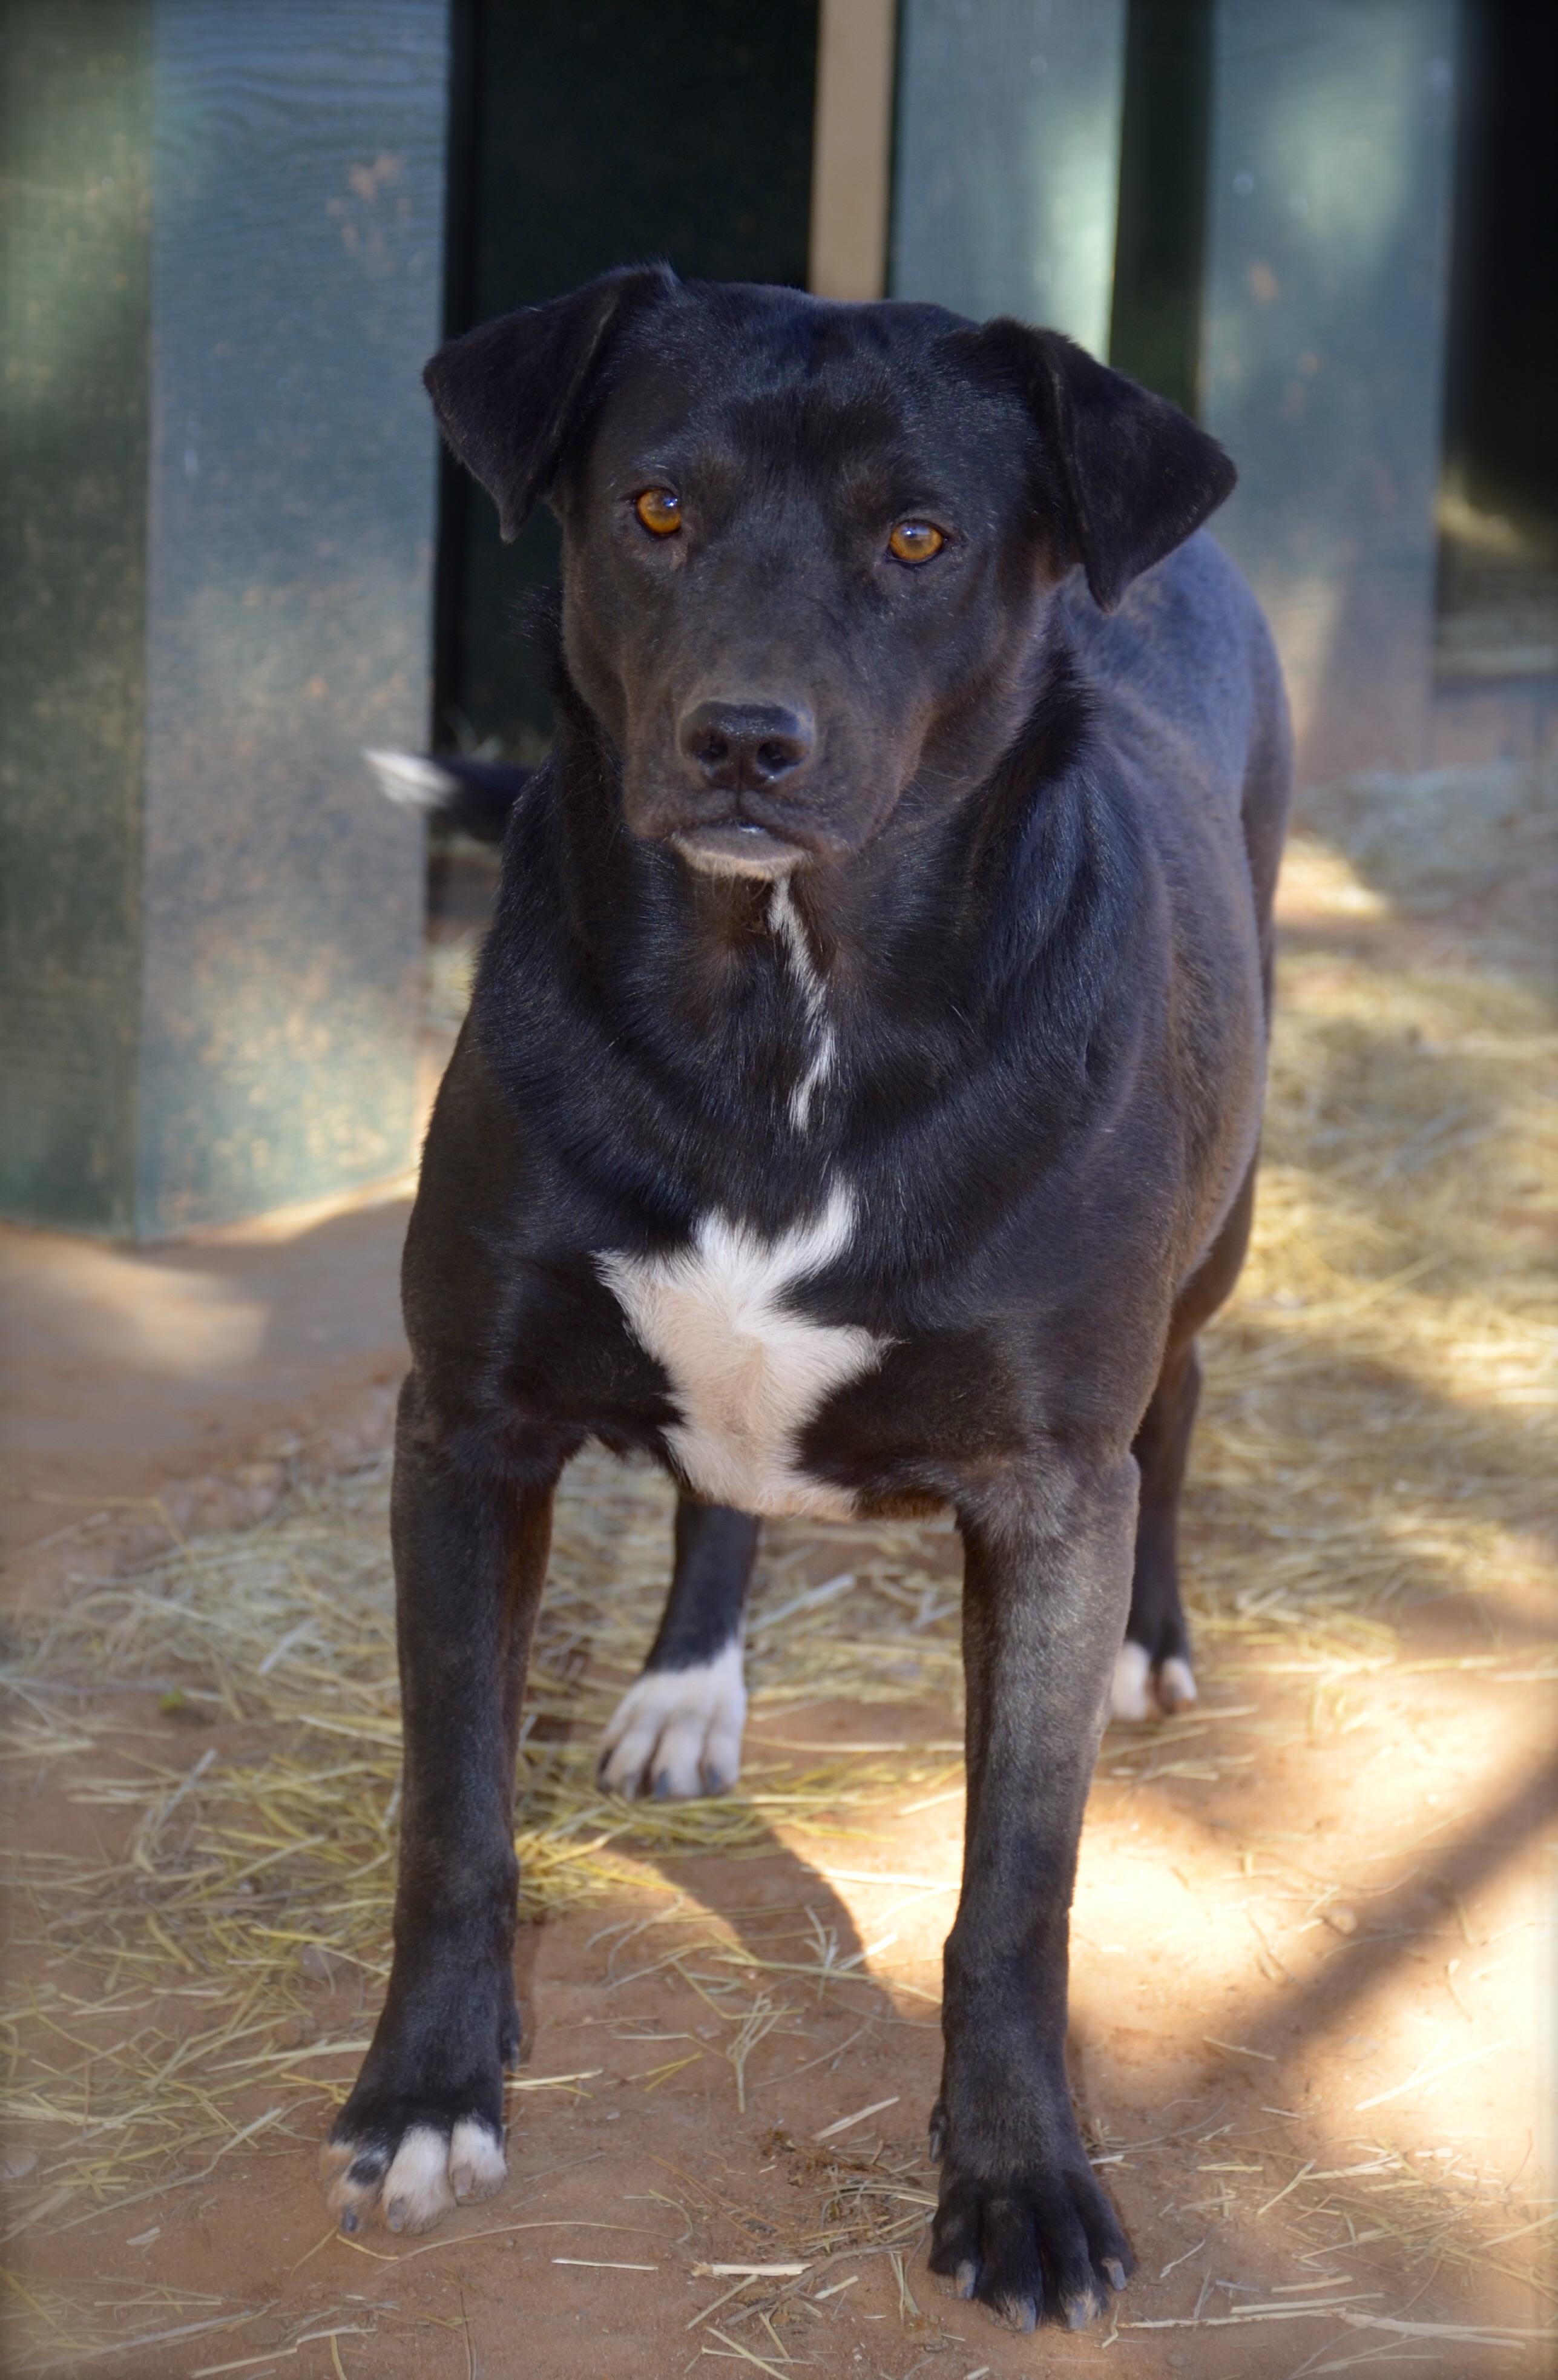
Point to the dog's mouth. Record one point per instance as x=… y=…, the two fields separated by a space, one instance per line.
x=738 y=848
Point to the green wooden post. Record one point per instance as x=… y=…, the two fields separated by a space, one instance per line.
x=221 y=273
x=1007 y=174
x=1323 y=345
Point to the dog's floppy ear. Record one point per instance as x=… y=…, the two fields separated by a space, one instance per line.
x=509 y=396
x=1135 y=475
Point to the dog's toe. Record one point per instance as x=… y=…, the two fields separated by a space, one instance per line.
x=1143 y=1689
x=351 y=2176
x=1175 y=1685
x=408 y=2184
x=477 y=2164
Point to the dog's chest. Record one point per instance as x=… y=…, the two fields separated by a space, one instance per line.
x=747 y=1371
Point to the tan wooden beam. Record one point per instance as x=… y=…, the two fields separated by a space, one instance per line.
x=852 y=153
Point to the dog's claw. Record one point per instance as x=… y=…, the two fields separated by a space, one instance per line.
x=1115 y=2271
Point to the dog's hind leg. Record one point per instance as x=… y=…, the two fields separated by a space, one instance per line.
x=677 y=1732
x=1155 y=1657
x=1154 y=1663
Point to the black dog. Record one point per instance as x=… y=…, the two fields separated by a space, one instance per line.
x=857 y=1111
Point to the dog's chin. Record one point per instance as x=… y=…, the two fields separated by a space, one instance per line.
x=738 y=850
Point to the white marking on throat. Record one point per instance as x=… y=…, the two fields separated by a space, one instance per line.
x=785 y=920
x=747 y=1371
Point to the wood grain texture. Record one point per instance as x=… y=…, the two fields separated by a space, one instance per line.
x=851 y=148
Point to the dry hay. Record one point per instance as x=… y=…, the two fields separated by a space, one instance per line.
x=1381 y=1389
x=1372 y=1431
x=247 y=1874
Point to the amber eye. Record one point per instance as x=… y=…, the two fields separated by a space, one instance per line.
x=660 y=511
x=914 y=541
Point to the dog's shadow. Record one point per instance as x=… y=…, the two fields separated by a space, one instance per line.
x=747 y=1909
x=752 y=1906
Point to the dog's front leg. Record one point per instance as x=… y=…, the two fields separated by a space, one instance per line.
x=1021 y=2223
x=423 y=2125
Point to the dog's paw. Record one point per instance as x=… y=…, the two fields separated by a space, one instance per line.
x=677 y=1734
x=1042 y=2242
x=1141 y=1687
x=1020 y=2224
x=408 y=2178
x=1173 y=1682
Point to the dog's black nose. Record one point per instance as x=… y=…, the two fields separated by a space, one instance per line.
x=745 y=745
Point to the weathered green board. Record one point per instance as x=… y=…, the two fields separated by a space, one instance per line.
x=1323 y=342
x=222 y=271
x=75 y=274
x=1007 y=173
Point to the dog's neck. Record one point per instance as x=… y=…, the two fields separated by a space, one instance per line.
x=936 y=1011
x=743 y=1044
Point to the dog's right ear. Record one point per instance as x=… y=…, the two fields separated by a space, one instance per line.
x=1132 y=476
x=509 y=396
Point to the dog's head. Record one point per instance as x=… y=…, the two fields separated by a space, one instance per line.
x=807 y=547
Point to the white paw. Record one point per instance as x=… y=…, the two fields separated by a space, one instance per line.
x=1127 y=1694
x=1175 y=1684
x=676 y=1733
x=430 y=2171
x=1136 y=1693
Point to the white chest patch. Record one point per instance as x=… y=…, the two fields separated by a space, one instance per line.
x=746 y=1370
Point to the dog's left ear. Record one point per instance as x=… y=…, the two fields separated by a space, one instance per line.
x=1135 y=475
x=509 y=395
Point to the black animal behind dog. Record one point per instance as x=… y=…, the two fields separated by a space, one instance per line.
x=857 y=1112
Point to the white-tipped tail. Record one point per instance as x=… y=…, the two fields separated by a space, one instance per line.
x=412 y=780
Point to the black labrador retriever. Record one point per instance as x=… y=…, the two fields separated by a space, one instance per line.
x=857 y=1112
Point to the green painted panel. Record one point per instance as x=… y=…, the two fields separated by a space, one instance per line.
x=296 y=257
x=1322 y=364
x=1007 y=174
x=75 y=125
x=222 y=272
